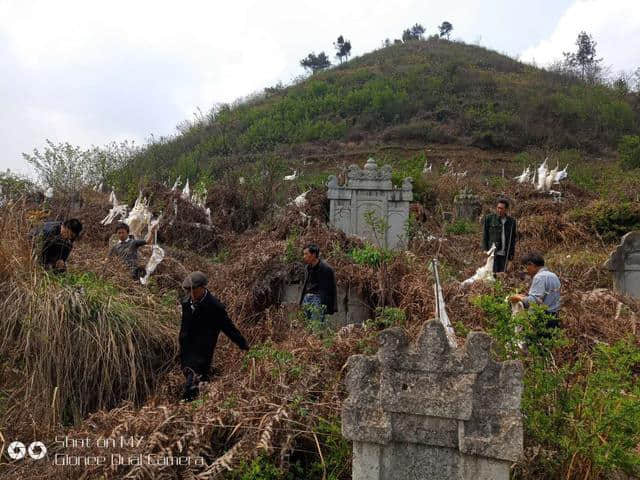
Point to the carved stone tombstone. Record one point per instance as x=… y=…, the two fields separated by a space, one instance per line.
x=468 y=206
x=369 y=193
x=432 y=411
x=624 y=262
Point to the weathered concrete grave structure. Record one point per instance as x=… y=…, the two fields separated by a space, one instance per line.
x=624 y=262
x=351 y=306
x=468 y=206
x=432 y=411
x=370 y=190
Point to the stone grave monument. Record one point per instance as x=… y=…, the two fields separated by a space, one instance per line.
x=433 y=411
x=468 y=206
x=368 y=192
x=624 y=263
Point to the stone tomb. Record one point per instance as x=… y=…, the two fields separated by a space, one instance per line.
x=468 y=206
x=432 y=411
x=370 y=190
x=624 y=263
x=351 y=306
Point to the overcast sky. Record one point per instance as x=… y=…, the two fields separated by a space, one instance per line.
x=90 y=72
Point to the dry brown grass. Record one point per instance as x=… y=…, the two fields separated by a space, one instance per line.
x=74 y=343
x=261 y=405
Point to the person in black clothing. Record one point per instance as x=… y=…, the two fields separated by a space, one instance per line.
x=54 y=241
x=203 y=318
x=500 y=229
x=318 y=295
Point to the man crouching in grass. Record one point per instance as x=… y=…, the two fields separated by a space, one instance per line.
x=54 y=240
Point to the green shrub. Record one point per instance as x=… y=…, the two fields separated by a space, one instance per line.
x=497 y=182
x=629 y=151
x=411 y=167
x=291 y=250
x=523 y=160
x=585 y=413
x=386 y=317
x=336 y=451
x=610 y=219
x=370 y=255
x=261 y=468
x=282 y=361
x=222 y=256
x=13 y=186
x=460 y=227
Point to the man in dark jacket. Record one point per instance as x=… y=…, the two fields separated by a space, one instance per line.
x=203 y=318
x=500 y=229
x=54 y=240
x=318 y=295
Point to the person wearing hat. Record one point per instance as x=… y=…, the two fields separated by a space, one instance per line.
x=203 y=318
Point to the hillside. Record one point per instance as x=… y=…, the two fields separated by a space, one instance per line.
x=421 y=92
x=92 y=354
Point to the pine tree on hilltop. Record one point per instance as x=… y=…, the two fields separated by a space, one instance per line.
x=584 y=61
x=315 y=62
x=343 y=48
x=414 y=33
x=445 y=29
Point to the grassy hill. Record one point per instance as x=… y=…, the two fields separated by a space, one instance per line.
x=91 y=354
x=432 y=91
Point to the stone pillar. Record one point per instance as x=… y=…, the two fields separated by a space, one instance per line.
x=370 y=190
x=432 y=411
x=468 y=206
x=624 y=263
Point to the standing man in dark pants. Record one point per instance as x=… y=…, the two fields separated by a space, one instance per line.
x=500 y=229
x=319 y=297
x=203 y=318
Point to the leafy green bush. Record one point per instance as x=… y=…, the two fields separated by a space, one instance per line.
x=411 y=167
x=610 y=219
x=629 y=151
x=336 y=451
x=460 y=227
x=584 y=413
x=523 y=160
x=291 y=250
x=13 y=186
x=222 y=256
x=370 y=255
x=497 y=182
x=261 y=468
x=386 y=317
x=282 y=360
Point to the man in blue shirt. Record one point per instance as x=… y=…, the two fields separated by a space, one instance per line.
x=544 y=290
